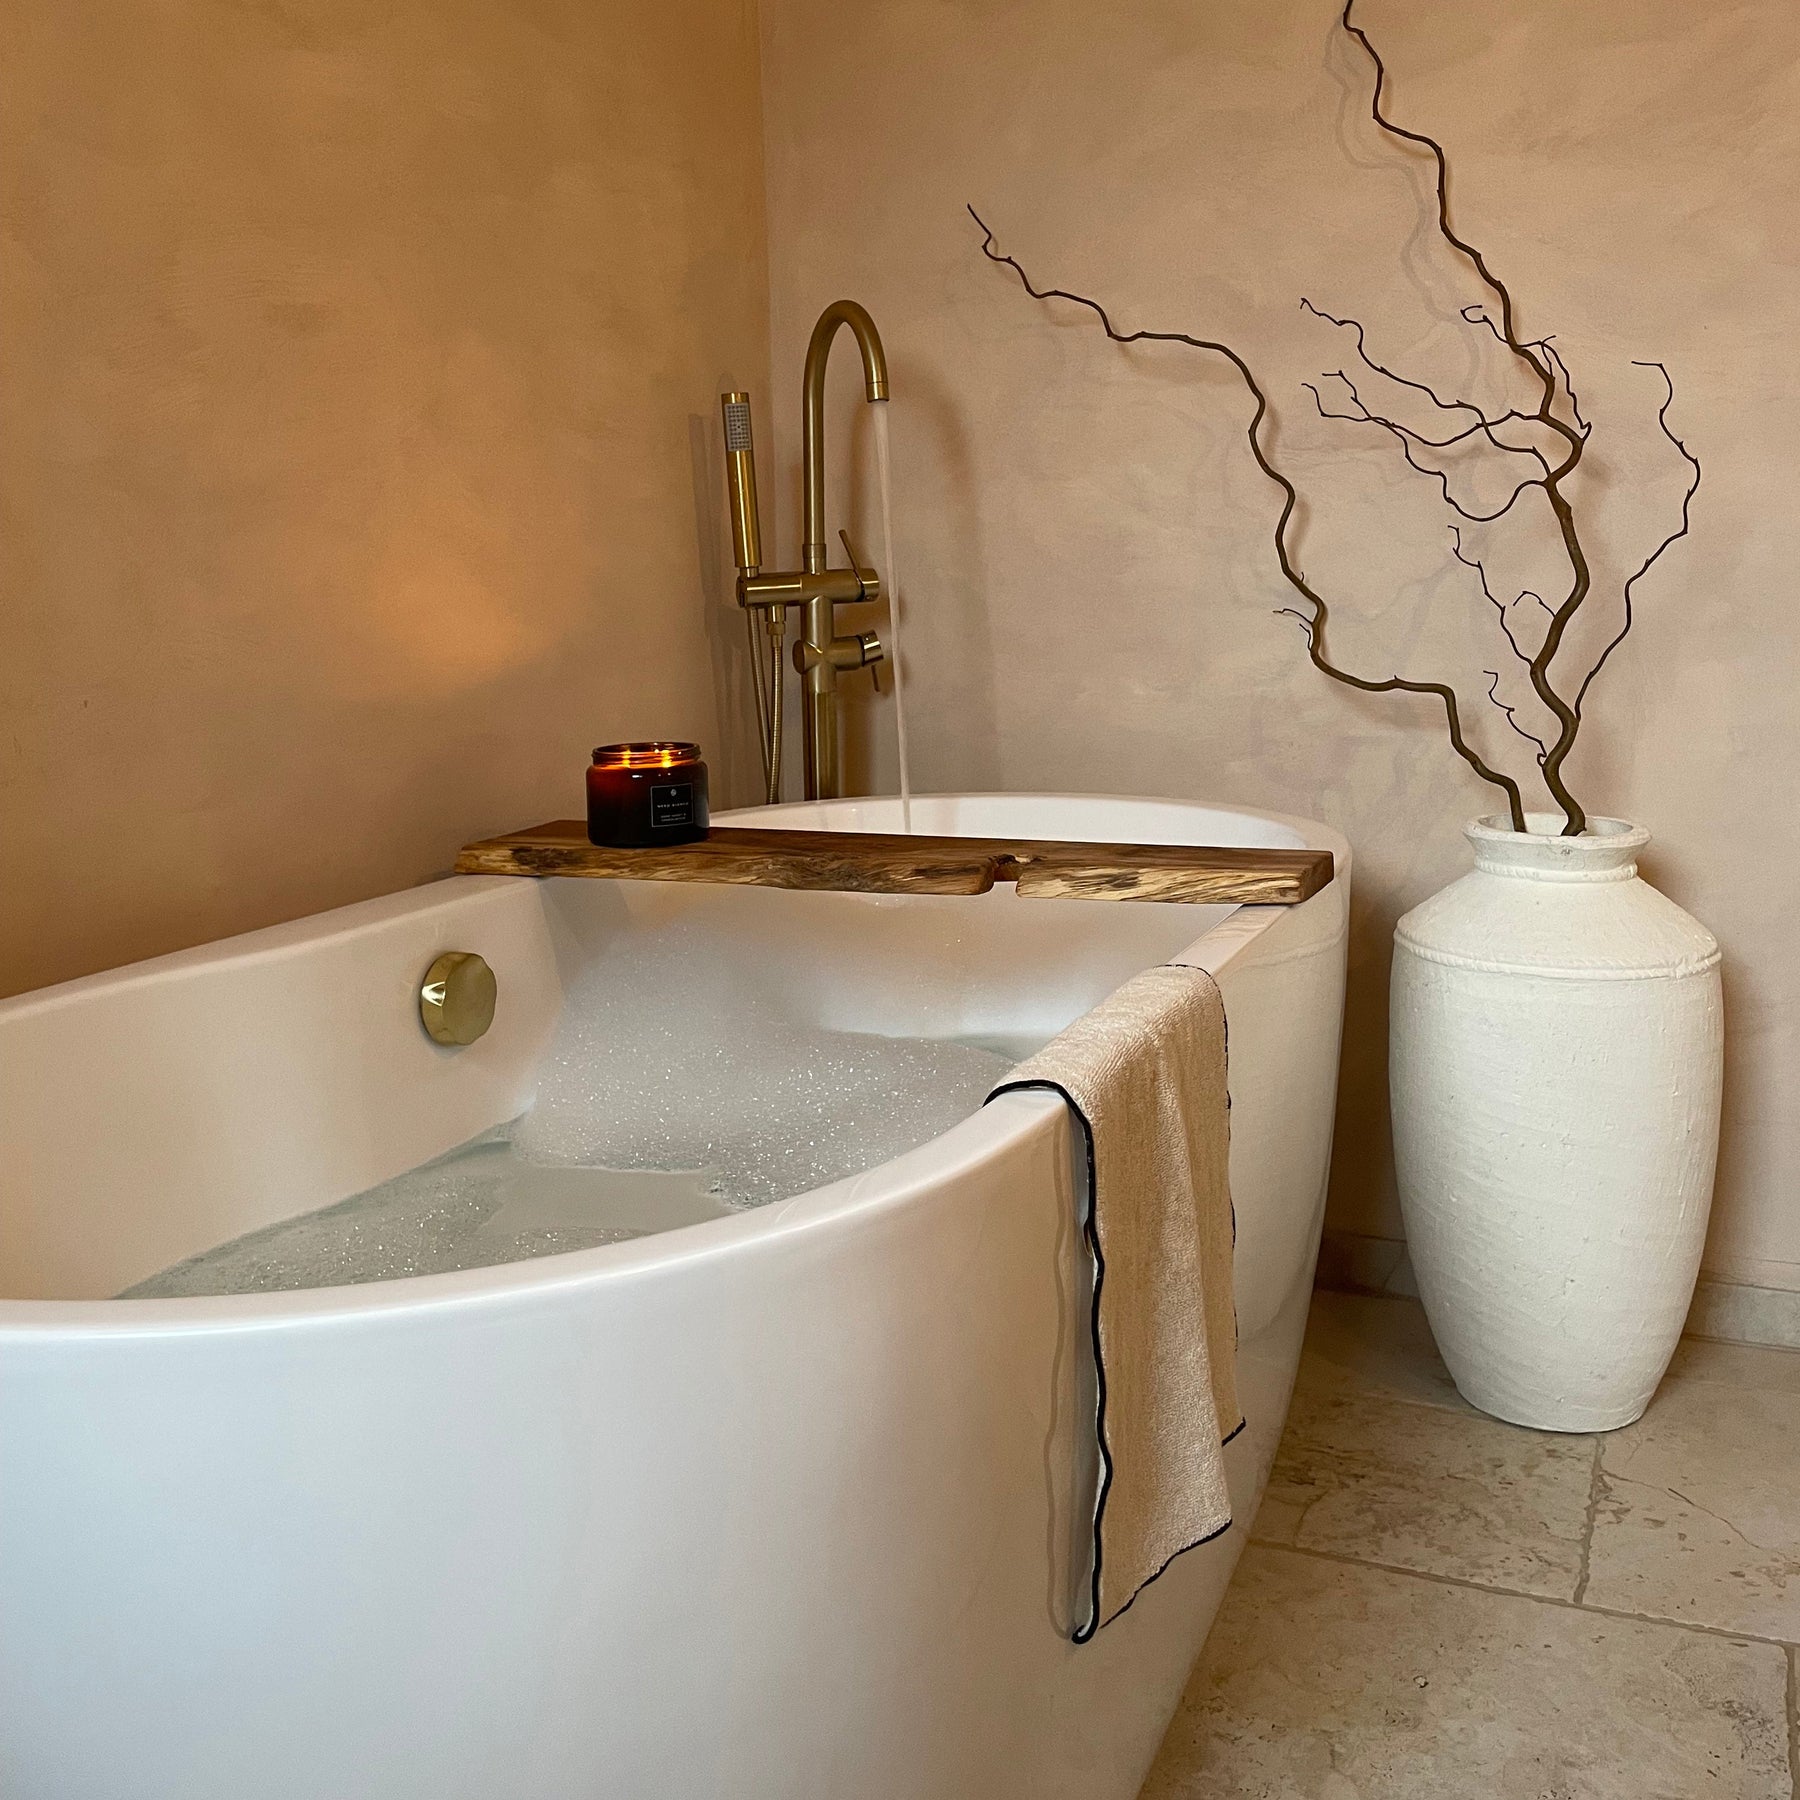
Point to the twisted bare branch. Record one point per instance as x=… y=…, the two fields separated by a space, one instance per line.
x=1548 y=346
x=1313 y=625
x=1406 y=438
x=1484 y=428
x=1531 y=737
x=1501 y=608
x=1543 y=369
x=1430 y=393
x=1478 y=315
x=1557 y=410
x=1680 y=531
x=1477 y=261
x=1484 y=424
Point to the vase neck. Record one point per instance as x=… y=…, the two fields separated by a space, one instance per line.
x=1606 y=851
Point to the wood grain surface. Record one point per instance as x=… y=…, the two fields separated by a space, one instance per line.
x=888 y=863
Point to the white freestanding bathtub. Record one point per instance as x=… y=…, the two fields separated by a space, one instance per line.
x=781 y=1505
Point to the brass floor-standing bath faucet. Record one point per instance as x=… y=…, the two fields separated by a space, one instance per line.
x=821 y=654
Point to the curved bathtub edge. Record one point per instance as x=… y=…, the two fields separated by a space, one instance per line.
x=989 y=1132
x=969 y=1145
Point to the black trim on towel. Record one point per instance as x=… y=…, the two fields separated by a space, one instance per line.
x=1091 y=1232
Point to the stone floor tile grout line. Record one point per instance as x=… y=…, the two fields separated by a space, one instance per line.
x=1596 y=1486
x=1793 y=1725
x=1549 y=1696
x=1459 y=1406
x=1506 y=1593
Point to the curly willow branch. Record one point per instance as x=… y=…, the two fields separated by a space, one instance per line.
x=1680 y=531
x=1544 y=371
x=1554 y=386
x=1512 y=716
x=1313 y=625
x=1483 y=424
x=1501 y=612
x=1406 y=438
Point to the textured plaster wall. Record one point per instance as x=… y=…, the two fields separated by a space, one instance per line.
x=1085 y=544
x=357 y=438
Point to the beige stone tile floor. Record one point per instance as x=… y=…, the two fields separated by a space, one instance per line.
x=1434 y=1605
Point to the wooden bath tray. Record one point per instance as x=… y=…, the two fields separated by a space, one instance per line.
x=881 y=863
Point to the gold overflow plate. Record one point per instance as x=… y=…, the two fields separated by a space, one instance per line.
x=456 y=998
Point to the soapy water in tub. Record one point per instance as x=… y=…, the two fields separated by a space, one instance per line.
x=679 y=1088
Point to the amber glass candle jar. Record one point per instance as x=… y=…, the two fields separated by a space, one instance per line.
x=644 y=794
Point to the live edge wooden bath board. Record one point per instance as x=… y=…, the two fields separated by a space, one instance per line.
x=882 y=863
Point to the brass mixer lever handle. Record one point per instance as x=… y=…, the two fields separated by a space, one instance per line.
x=869 y=581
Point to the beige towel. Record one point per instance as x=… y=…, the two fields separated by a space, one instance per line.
x=1144 y=1076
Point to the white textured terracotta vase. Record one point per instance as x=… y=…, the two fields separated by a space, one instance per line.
x=1556 y=1061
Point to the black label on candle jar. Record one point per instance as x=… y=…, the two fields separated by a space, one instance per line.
x=672 y=805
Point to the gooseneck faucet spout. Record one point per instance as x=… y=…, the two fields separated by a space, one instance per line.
x=812 y=428
x=817 y=588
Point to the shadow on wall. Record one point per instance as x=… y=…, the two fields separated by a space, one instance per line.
x=1363 y=1160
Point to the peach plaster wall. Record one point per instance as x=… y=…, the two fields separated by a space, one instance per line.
x=358 y=417
x=1084 y=543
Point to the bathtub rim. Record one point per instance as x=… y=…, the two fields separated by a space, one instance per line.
x=992 y=1131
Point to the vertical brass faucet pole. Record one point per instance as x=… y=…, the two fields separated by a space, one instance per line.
x=819 y=715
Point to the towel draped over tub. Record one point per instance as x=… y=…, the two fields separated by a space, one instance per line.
x=1144 y=1077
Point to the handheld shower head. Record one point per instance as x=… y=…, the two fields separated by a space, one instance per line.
x=740 y=469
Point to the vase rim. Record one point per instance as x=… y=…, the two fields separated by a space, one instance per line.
x=1606 y=851
x=1616 y=834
